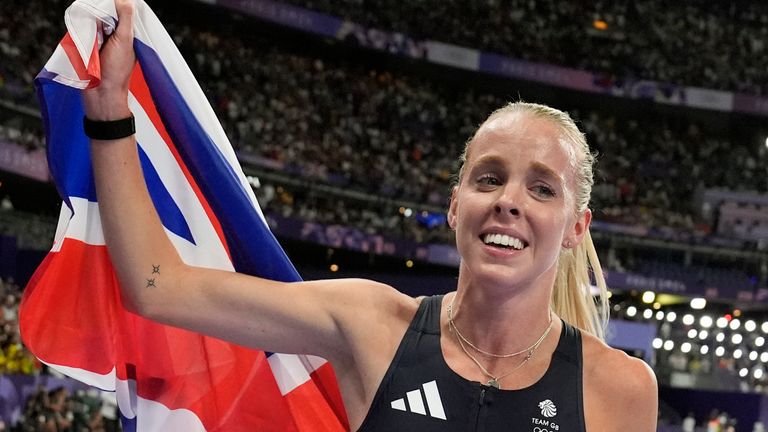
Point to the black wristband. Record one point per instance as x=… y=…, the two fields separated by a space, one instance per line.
x=109 y=130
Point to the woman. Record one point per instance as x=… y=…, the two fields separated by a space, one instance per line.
x=500 y=353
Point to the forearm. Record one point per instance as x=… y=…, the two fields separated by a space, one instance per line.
x=143 y=257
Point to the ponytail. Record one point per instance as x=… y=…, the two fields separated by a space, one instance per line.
x=572 y=298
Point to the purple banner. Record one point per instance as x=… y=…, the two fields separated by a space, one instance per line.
x=29 y=163
x=538 y=72
x=287 y=15
x=339 y=236
x=689 y=286
x=750 y=104
x=630 y=335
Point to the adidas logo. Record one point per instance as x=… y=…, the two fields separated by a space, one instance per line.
x=416 y=402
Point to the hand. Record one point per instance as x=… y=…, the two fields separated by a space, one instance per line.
x=109 y=101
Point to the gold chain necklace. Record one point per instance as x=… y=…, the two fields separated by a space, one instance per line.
x=495 y=380
x=461 y=337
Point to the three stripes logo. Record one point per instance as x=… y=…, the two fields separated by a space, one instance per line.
x=416 y=401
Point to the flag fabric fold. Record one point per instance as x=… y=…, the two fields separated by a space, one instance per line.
x=72 y=318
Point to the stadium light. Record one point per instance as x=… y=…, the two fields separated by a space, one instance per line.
x=631 y=311
x=719 y=351
x=671 y=316
x=704 y=349
x=722 y=322
x=720 y=337
x=736 y=338
x=657 y=343
x=743 y=372
x=735 y=324
x=753 y=355
x=759 y=341
x=692 y=333
x=647 y=314
x=688 y=319
x=737 y=353
x=764 y=357
x=705 y=321
x=668 y=345
x=659 y=315
x=758 y=373
x=750 y=326
x=703 y=334
x=698 y=303
x=685 y=347
x=649 y=297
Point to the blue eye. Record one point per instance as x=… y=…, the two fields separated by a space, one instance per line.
x=489 y=179
x=544 y=191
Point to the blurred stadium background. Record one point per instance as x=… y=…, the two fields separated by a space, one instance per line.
x=349 y=116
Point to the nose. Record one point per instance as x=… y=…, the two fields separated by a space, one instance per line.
x=513 y=210
x=508 y=201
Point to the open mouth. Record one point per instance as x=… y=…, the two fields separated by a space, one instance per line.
x=503 y=241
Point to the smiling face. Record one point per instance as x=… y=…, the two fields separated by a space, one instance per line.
x=514 y=208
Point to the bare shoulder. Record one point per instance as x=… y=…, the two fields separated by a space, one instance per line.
x=620 y=391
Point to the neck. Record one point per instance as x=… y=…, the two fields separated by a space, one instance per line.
x=503 y=320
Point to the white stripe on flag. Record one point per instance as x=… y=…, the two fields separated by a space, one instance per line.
x=104 y=382
x=289 y=371
x=83 y=225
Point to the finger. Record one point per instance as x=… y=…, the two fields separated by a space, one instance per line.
x=125 y=10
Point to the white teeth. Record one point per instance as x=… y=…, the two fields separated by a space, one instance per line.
x=503 y=240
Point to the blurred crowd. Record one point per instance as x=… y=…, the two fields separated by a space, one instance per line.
x=718 y=45
x=397 y=135
x=59 y=410
x=14 y=357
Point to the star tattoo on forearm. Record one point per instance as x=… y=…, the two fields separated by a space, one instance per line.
x=155 y=270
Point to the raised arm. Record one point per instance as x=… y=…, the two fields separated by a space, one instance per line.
x=308 y=317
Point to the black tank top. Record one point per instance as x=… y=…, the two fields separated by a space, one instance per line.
x=420 y=393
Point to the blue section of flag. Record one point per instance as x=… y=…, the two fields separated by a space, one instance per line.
x=128 y=424
x=253 y=248
x=166 y=207
x=69 y=157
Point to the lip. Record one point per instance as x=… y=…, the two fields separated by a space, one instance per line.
x=501 y=252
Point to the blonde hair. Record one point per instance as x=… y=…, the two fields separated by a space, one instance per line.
x=572 y=298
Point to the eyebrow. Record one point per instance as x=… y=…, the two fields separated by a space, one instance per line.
x=547 y=172
x=536 y=167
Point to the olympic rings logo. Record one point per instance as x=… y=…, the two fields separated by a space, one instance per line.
x=541 y=429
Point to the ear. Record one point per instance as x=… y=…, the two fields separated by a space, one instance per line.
x=576 y=234
x=452 y=209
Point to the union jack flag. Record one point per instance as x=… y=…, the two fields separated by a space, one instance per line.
x=72 y=318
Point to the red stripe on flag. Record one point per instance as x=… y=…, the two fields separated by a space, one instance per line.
x=74 y=58
x=83 y=304
x=311 y=411
x=325 y=379
x=141 y=92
